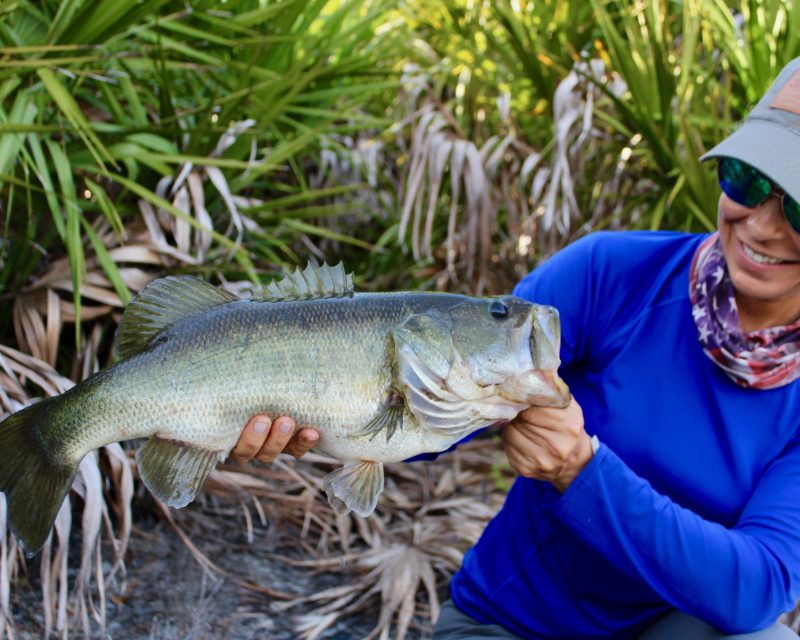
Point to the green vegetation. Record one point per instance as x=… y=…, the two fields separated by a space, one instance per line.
x=426 y=143
x=115 y=112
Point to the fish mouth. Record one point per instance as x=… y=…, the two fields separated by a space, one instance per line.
x=545 y=346
x=545 y=337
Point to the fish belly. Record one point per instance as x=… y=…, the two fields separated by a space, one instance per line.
x=409 y=440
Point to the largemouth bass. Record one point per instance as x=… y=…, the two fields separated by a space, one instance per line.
x=382 y=376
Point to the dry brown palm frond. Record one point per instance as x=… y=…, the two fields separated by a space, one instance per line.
x=575 y=138
x=536 y=191
x=357 y=175
x=437 y=150
x=393 y=572
x=43 y=308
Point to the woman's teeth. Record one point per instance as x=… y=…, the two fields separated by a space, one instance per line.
x=760 y=257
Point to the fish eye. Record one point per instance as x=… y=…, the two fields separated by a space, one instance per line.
x=498 y=309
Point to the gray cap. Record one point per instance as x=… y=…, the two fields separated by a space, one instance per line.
x=769 y=139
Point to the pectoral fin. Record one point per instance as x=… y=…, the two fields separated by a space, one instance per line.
x=174 y=471
x=390 y=419
x=355 y=487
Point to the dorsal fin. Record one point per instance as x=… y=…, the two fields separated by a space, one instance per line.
x=313 y=282
x=161 y=303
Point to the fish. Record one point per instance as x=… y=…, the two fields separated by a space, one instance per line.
x=383 y=377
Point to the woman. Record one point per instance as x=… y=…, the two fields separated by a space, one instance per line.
x=682 y=518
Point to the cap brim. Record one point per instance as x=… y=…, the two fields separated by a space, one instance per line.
x=770 y=148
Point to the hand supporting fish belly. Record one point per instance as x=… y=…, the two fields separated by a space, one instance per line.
x=382 y=377
x=265 y=439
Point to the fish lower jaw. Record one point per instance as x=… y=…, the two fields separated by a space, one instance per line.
x=538 y=387
x=500 y=406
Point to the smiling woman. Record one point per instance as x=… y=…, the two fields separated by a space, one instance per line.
x=757 y=246
x=762 y=252
x=759 y=214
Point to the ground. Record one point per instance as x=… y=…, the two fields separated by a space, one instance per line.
x=431 y=512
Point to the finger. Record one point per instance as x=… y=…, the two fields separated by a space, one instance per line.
x=279 y=436
x=519 y=463
x=542 y=450
x=547 y=451
x=547 y=447
x=524 y=435
x=252 y=438
x=542 y=417
x=541 y=462
x=303 y=442
x=569 y=418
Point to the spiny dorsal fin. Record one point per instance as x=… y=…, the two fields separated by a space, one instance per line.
x=159 y=305
x=313 y=282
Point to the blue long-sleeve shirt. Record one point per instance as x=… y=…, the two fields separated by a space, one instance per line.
x=692 y=500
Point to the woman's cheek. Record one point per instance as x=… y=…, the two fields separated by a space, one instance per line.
x=730 y=212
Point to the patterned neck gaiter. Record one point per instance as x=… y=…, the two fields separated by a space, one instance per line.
x=762 y=359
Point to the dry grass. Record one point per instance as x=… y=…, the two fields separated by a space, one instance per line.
x=393 y=566
x=535 y=190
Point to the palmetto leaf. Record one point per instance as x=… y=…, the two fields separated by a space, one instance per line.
x=58 y=92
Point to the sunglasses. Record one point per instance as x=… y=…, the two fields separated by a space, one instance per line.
x=749 y=187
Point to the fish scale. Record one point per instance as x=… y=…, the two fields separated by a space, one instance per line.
x=382 y=376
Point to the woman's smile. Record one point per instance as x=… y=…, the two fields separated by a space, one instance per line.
x=761 y=260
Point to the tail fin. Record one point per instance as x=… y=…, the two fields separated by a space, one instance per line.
x=35 y=485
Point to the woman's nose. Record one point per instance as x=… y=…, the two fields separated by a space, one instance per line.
x=766 y=221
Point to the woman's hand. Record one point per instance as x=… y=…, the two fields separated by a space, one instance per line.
x=549 y=444
x=263 y=439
